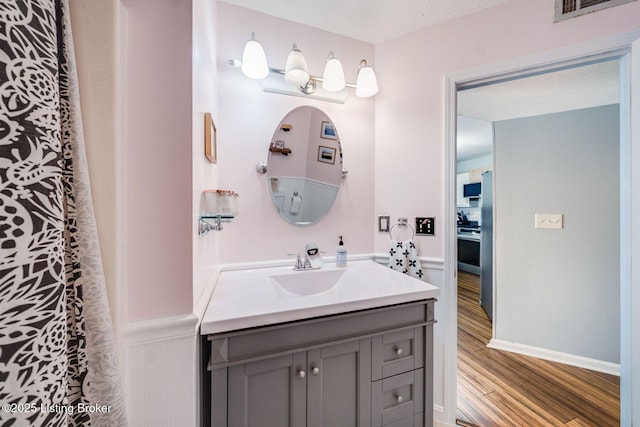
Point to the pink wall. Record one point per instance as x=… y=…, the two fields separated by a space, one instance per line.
x=206 y=251
x=95 y=43
x=247 y=120
x=410 y=106
x=158 y=140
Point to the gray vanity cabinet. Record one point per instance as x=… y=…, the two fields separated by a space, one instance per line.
x=322 y=387
x=366 y=368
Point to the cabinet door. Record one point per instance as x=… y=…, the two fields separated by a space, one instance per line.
x=339 y=385
x=268 y=393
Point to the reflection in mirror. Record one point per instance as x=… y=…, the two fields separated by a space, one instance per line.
x=304 y=166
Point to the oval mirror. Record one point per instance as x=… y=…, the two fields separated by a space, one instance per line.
x=304 y=166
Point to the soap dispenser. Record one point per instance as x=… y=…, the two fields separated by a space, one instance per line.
x=341 y=254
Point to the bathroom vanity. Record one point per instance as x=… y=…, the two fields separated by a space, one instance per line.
x=330 y=347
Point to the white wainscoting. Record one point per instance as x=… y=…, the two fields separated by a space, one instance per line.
x=161 y=363
x=443 y=369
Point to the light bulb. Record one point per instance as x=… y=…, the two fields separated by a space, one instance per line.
x=254 y=60
x=366 y=84
x=333 y=76
x=296 y=71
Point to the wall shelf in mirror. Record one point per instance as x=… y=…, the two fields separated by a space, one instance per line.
x=284 y=151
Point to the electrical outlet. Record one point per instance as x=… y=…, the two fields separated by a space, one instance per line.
x=426 y=226
x=552 y=221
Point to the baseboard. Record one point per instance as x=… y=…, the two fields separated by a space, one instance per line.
x=556 y=356
x=161 y=371
x=438 y=417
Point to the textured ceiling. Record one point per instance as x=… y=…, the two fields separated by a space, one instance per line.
x=372 y=21
x=572 y=89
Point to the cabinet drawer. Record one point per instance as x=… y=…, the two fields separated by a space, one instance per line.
x=397 y=352
x=417 y=420
x=397 y=398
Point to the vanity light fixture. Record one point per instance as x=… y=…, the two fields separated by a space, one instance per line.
x=254 y=65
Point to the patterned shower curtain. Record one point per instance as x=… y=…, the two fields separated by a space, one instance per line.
x=58 y=362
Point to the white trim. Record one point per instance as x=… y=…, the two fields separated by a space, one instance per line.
x=438 y=414
x=626 y=239
x=614 y=46
x=430 y=263
x=163 y=329
x=630 y=336
x=437 y=423
x=556 y=356
x=203 y=301
x=550 y=60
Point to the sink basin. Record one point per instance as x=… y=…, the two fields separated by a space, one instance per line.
x=306 y=283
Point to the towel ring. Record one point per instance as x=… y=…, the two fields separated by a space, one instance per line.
x=402 y=224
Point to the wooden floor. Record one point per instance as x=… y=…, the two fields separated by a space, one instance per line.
x=498 y=388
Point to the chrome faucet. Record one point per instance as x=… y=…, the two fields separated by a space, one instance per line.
x=312 y=259
x=300 y=265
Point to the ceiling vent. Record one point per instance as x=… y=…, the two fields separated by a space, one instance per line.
x=565 y=9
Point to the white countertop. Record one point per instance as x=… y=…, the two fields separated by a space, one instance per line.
x=250 y=298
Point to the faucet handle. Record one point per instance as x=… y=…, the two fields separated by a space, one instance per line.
x=298 y=265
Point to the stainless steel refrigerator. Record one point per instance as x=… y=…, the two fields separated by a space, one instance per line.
x=486 y=244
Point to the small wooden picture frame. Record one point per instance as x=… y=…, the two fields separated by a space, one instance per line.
x=326 y=154
x=328 y=131
x=210 y=139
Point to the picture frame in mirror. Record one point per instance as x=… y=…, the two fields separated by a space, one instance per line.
x=328 y=131
x=326 y=154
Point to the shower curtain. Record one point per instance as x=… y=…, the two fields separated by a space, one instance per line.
x=58 y=362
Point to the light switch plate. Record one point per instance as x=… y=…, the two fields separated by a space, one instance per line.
x=550 y=221
x=383 y=223
x=426 y=226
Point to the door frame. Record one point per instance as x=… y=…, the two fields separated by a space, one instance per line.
x=616 y=47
